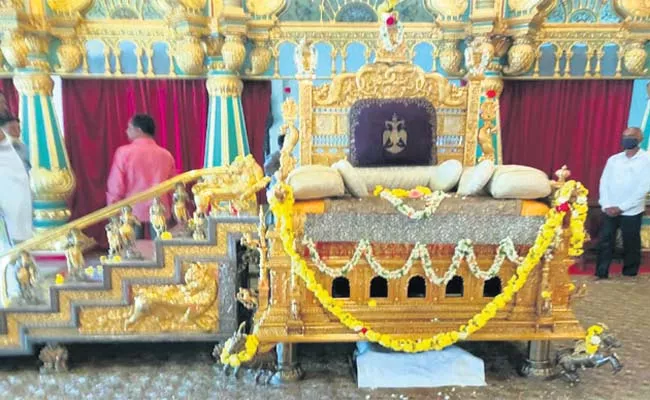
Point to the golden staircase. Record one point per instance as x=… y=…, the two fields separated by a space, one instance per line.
x=185 y=291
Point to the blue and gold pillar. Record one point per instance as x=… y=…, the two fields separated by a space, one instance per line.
x=226 y=136
x=51 y=177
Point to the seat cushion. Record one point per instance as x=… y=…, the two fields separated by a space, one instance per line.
x=395 y=177
x=351 y=178
x=446 y=175
x=315 y=182
x=474 y=179
x=519 y=182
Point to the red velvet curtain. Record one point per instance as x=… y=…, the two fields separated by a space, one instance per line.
x=96 y=114
x=7 y=88
x=256 y=103
x=546 y=124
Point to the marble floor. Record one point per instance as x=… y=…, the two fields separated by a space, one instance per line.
x=186 y=371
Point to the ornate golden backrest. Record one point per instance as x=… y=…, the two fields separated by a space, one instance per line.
x=324 y=110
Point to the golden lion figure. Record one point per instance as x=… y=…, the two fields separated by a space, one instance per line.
x=187 y=303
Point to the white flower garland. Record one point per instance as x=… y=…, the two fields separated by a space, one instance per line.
x=431 y=203
x=464 y=251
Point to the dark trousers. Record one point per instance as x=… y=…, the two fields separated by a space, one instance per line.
x=141 y=229
x=631 y=230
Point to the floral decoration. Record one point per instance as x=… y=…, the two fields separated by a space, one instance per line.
x=235 y=360
x=491 y=94
x=592 y=341
x=166 y=235
x=59 y=279
x=464 y=251
x=431 y=200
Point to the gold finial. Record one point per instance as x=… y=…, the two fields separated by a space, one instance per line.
x=289 y=110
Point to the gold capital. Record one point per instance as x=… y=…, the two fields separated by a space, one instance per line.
x=224 y=86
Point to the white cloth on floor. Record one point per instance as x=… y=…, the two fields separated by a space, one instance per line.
x=378 y=367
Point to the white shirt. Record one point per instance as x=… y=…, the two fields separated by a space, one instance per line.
x=16 y=194
x=625 y=182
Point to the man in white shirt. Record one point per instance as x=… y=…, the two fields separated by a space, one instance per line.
x=16 y=198
x=623 y=188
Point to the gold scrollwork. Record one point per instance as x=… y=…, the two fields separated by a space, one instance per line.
x=14 y=49
x=450 y=58
x=633 y=8
x=52 y=215
x=224 y=86
x=233 y=52
x=521 y=56
x=69 y=56
x=635 y=58
x=488 y=115
x=448 y=8
x=69 y=7
x=56 y=184
x=264 y=7
x=31 y=84
x=189 y=55
x=260 y=58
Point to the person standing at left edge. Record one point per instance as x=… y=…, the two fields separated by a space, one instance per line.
x=623 y=188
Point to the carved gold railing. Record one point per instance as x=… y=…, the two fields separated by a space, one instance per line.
x=236 y=183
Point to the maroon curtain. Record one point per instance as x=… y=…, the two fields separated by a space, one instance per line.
x=546 y=124
x=96 y=114
x=9 y=91
x=256 y=103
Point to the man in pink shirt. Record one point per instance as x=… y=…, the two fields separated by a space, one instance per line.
x=139 y=166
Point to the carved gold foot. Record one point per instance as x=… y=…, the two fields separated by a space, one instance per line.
x=289 y=370
x=538 y=363
x=54 y=358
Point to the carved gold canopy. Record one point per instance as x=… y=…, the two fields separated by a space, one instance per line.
x=324 y=110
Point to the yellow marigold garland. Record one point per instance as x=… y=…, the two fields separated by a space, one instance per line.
x=283 y=211
x=235 y=360
x=592 y=341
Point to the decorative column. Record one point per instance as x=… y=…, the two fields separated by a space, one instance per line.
x=52 y=180
x=226 y=136
x=483 y=62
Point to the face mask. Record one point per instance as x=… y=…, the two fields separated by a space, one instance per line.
x=630 y=143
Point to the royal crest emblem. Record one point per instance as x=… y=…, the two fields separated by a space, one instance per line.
x=395 y=135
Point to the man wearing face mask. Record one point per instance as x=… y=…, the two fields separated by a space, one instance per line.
x=623 y=188
x=16 y=200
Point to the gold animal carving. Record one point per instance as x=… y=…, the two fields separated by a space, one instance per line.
x=189 y=303
x=263 y=362
x=248 y=298
x=54 y=358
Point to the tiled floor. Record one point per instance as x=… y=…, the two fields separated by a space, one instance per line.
x=185 y=371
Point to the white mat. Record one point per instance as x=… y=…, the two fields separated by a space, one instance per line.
x=378 y=367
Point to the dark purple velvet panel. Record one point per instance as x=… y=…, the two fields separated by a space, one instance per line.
x=392 y=132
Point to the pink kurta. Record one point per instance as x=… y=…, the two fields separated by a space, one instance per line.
x=137 y=167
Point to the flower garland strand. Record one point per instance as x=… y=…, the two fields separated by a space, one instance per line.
x=463 y=251
x=431 y=201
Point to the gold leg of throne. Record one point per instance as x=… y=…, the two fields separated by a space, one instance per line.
x=538 y=363
x=289 y=369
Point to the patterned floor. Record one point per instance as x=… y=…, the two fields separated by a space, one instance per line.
x=185 y=371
